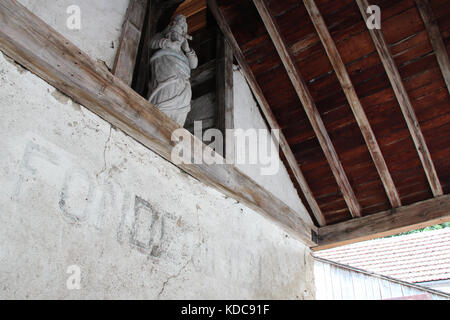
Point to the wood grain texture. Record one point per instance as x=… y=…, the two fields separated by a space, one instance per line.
x=354 y=102
x=191 y=7
x=268 y=114
x=404 y=102
x=224 y=94
x=127 y=51
x=406 y=218
x=195 y=12
x=435 y=37
x=311 y=109
x=35 y=45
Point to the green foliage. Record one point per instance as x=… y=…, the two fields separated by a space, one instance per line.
x=435 y=227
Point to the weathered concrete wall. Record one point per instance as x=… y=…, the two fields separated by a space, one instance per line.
x=75 y=191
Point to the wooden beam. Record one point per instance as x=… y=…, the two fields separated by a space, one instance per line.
x=39 y=48
x=129 y=41
x=354 y=102
x=224 y=94
x=383 y=224
x=265 y=107
x=435 y=37
x=404 y=102
x=311 y=109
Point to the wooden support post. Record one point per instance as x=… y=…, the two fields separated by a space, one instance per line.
x=224 y=94
x=265 y=107
x=141 y=78
x=404 y=102
x=354 y=102
x=129 y=41
x=311 y=110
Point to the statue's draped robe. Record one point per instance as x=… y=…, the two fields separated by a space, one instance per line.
x=170 y=85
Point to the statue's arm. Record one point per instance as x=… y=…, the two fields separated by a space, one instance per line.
x=158 y=41
x=192 y=58
x=190 y=54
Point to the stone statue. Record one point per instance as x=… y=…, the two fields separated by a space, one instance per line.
x=170 y=87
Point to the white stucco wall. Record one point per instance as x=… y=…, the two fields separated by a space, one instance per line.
x=75 y=191
x=101 y=23
x=248 y=116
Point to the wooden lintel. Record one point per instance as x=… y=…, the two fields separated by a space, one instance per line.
x=435 y=37
x=310 y=109
x=354 y=102
x=39 y=48
x=404 y=102
x=265 y=107
x=383 y=224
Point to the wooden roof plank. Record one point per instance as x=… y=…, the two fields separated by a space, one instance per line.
x=310 y=108
x=435 y=37
x=404 y=102
x=354 y=102
x=265 y=107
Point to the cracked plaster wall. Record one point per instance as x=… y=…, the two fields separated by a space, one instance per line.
x=76 y=191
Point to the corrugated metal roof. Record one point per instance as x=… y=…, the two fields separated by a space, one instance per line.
x=417 y=257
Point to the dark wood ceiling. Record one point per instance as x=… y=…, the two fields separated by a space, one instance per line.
x=409 y=45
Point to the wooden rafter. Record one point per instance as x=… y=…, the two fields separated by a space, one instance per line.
x=265 y=107
x=435 y=38
x=35 y=45
x=411 y=217
x=404 y=102
x=310 y=108
x=354 y=102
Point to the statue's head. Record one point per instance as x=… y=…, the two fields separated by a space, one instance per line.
x=179 y=24
x=179 y=18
